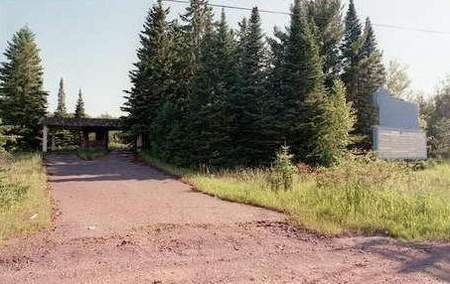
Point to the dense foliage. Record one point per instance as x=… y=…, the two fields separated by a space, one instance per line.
x=203 y=94
x=22 y=99
x=437 y=115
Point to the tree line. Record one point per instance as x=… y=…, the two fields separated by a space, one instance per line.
x=205 y=94
x=23 y=101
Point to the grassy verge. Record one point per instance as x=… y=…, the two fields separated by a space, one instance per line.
x=25 y=204
x=91 y=153
x=362 y=196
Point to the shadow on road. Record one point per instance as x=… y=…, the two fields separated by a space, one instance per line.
x=116 y=166
x=413 y=257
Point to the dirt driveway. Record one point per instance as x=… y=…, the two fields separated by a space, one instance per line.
x=118 y=221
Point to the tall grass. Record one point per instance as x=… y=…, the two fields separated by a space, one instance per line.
x=24 y=200
x=360 y=196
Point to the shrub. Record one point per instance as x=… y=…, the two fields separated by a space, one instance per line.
x=283 y=170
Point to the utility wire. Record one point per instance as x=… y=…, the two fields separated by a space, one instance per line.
x=232 y=7
x=429 y=31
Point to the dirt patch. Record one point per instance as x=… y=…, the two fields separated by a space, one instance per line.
x=124 y=222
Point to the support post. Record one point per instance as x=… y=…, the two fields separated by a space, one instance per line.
x=45 y=139
x=139 y=142
x=53 y=147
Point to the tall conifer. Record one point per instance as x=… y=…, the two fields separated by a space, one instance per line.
x=213 y=85
x=250 y=93
x=79 y=108
x=371 y=76
x=151 y=74
x=61 y=110
x=327 y=17
x=303 y=80
x=23 y=101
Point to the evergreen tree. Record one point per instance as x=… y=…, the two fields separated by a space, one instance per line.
x=364 y=72
x=189 y=38
x=197 y=19
x=303 y=81
x=61 y=110
x=249 y=97
x=151 y=75
x=371 y=76
x=327 y=16
x=79 y=108
x=23 y=102
x=350 y=48
x=213 y=84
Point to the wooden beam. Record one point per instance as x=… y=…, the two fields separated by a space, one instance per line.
x=45 y=139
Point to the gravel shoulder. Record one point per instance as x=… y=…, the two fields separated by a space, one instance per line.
x=120 y=221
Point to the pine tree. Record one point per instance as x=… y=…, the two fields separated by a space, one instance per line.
x=61 y=110
x=196 y=24
x=303 y=81
x=327 y=16
x=197 y=19
x=150 y=77
x=23 y=102
x=211 y=116
x=351 y=48
x=363 y=73
x=79 y=108
x=371 y=76
x=248 y=101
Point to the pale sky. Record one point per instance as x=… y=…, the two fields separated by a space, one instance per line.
x=92 y=43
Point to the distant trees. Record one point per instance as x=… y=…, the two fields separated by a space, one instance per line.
x=79 y=108
x=61 y=110
x=439 y=121
x=203 y=94
x=397 y=80
x=23 y=101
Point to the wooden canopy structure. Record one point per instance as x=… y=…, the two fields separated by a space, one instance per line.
x=99 y=126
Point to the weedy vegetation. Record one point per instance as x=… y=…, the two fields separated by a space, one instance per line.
x=362 y=195
x=25 y=204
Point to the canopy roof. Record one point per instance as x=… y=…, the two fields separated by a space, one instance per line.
x=79 y=123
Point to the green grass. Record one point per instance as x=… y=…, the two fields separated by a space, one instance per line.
x=362 y=196
x=25 y=204
x=91 y=153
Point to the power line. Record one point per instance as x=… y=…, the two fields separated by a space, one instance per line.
x=233 y=7
x=388 y=26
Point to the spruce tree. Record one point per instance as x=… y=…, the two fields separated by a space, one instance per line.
x=151 y=74
x=79 y=108
x=61 y=110
x=23 y=101
x=248 y=101
x=350 y=48
x=363 y=73
x=371 y=76
x=213 y=84
x=195 y=25
x=303 y=81
x=327 y=17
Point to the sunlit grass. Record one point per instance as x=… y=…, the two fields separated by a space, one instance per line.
x=32 y=210
x=361 y=196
